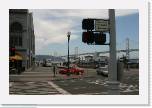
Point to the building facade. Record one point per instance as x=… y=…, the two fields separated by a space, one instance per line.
x=21 y=36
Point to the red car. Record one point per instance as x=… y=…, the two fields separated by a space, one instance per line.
x=72 y=70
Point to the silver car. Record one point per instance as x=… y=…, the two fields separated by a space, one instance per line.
x=102 y=70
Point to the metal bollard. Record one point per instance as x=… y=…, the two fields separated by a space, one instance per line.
x=120 y=70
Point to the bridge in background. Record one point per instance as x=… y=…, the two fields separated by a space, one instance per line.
x=103 y=52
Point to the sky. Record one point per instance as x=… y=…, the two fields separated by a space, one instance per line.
x=51 y=27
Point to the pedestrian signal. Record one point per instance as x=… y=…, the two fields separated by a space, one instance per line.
x=99 y=38
x=87 y=37
x=88 y=24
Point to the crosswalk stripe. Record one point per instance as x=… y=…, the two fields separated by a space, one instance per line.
x=58 y=88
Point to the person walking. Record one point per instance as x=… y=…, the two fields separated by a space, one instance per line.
x=54 y=70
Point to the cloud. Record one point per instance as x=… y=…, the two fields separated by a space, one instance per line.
x=51 y=26
x=52 y=32
x=80 y=13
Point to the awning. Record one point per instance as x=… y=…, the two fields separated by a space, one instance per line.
x=16 y=57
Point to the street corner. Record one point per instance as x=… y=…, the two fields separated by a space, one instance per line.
x=35 y=88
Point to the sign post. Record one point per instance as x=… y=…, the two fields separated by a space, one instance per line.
x=113 y=84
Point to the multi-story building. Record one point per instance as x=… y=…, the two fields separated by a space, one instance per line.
x=21 y=36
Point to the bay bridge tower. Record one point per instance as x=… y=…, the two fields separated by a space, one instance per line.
x=127 y=49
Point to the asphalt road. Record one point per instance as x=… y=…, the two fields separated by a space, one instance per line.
x=83 y=86
x=97 y=85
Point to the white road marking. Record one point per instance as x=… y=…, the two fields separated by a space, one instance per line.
x=58 y=88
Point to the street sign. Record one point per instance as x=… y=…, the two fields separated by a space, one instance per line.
x=101 y=25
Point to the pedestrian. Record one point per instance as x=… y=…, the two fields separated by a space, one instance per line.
x=54 y=70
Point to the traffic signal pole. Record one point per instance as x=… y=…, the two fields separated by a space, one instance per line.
x=102 y=25
x=113 y=84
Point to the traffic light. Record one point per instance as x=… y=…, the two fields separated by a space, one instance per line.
x=91 y=37
x=12 y=51
x=87 y=37
x=99 y=38
x=88 y=24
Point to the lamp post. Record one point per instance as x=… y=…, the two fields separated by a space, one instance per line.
x=68 y=35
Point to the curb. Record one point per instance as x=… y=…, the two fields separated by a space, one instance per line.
x=58 y=79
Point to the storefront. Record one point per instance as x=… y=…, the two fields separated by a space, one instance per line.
x=15 y=64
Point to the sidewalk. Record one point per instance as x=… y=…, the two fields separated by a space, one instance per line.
x=37 y=76
x=35 y=88
x=45 y=74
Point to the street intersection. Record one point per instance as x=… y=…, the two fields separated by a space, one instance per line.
x=41 y=81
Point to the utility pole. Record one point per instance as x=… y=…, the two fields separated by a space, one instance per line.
x=113 y=84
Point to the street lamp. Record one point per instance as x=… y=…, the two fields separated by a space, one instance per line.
x=68 y=35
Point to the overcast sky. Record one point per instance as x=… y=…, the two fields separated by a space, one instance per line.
x=51 y=27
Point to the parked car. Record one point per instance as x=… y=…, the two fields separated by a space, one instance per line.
x=102 y=70
x=72 y=70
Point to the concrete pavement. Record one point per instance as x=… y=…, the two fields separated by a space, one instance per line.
x=35 y=88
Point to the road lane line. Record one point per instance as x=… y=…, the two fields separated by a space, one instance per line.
x=58 y=88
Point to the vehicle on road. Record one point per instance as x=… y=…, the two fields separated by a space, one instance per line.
x=102 y=70
x=48 y=63
x=71 y=70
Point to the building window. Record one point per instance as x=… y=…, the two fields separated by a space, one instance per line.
x=16 y=34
